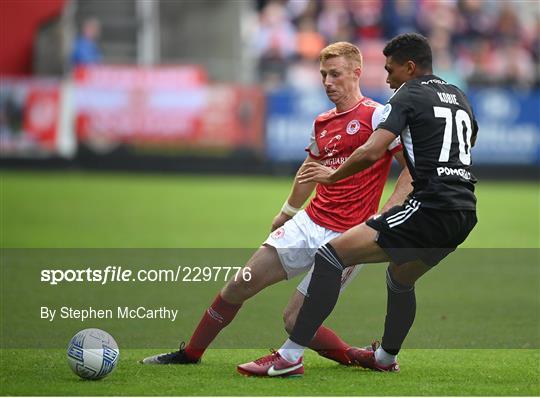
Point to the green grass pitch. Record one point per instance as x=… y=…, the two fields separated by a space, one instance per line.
x=487 y=314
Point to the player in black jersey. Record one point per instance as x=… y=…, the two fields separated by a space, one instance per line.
x=437 y=129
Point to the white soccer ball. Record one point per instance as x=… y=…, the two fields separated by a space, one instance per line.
x=92 y=354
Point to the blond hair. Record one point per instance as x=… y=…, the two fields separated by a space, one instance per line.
x=342 y=49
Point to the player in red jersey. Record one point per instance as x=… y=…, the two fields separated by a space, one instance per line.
x=297 y=234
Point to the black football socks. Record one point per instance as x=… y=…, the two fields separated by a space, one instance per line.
x=322 y=295
x=400 y=312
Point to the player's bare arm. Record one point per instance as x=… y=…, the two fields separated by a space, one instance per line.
x=403 y=186
x=296 y=199
x=362 y=158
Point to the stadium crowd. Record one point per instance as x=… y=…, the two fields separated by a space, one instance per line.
x=475 y=42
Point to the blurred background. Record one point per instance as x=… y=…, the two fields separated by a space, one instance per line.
x=233 y=86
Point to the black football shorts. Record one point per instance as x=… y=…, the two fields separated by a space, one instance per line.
x=411 y=232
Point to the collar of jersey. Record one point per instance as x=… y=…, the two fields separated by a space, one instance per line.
x=348 y=110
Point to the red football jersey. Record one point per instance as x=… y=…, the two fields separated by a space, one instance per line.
x=335 y=136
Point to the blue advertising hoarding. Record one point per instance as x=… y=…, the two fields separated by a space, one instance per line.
x=290 y=116
x=509 y=124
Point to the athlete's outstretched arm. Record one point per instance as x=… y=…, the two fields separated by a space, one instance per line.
x=298 y=196
x=362 y=158
x=403 y=185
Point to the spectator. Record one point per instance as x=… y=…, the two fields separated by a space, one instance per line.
x=275 y=43
x=299 y=9
x=367 y=19
x=507 y=26
x=85 y=49
x=309 y=41
x=475 y=21
x=399 y=16
x=443 y=59
x=477 y=42
x=533 y=43
x=515 y=65
x=334 y=20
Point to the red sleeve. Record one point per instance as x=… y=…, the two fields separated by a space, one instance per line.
x=395 y=146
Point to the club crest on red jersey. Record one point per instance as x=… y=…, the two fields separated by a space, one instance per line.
x=353 y=127
x=278 y=233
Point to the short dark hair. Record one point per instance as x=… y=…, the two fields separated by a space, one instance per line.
x=410 y=47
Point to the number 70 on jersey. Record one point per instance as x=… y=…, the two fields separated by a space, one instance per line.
x=462 y=120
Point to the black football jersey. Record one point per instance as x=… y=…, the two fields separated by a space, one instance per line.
x=437 y=129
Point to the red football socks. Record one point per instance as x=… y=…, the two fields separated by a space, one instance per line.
x=215 y=318
x=221 y=313
x=329 y=345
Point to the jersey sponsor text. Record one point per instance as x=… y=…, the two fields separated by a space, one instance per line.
x=335 y=137
x=453 y=172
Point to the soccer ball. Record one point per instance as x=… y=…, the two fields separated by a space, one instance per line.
x=92 y=354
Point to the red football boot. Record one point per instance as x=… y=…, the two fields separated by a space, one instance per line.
x=273 y=365
x=365 y=358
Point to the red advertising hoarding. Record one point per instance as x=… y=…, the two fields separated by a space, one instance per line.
x=29 y=117
x=171 y=106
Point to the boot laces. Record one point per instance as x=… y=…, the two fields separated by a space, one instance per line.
x=268 y=358
x=175 y=354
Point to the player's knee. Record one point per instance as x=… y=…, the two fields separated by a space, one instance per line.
x=239 y=290
x=407 y=274
x=397 y=285
x=328 y=261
